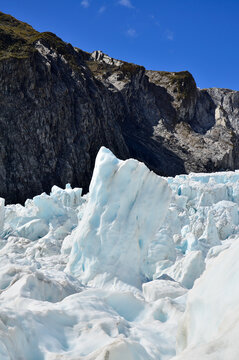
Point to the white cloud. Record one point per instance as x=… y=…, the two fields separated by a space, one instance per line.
x=131 y=32
x=155 y=21
x=102 y=9
x=126 y=3
x=85 y=3
x=169 y=35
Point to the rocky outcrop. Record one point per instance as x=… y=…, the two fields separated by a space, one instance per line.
x=59 y=105
x=103 y=58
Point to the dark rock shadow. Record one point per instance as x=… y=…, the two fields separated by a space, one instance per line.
x=163 y=101
x=204 y=118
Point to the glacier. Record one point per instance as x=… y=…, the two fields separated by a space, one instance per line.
x=141 y=267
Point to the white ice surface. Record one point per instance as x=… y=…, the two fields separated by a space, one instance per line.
x=114 y=238
x=209 y=328
x=108 y=275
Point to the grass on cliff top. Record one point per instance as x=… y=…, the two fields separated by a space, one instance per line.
x=181 y=75
x=183 y=81
x=17 y=40
x=102 y=69
x=16 y=37
x=130 y=69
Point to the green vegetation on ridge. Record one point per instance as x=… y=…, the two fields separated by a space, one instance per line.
x=183 y=81
x=17 y=40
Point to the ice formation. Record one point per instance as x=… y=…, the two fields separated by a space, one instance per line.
x=142 y=267
x=112 y=242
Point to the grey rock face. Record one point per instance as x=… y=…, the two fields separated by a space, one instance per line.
x=53 y=121
x=99 y=56
x=59 y=105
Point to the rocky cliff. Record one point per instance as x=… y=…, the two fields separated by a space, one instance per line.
x=59 y=105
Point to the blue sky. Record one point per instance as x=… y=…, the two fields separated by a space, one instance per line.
x=200 y=36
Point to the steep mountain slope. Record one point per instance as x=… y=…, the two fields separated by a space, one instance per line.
x=60 y=104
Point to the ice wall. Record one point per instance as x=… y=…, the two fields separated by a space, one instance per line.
x=126 y=208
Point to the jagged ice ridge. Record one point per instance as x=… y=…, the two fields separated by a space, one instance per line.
x=142 y=267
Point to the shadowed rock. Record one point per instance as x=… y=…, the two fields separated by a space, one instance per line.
x=59 y=105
